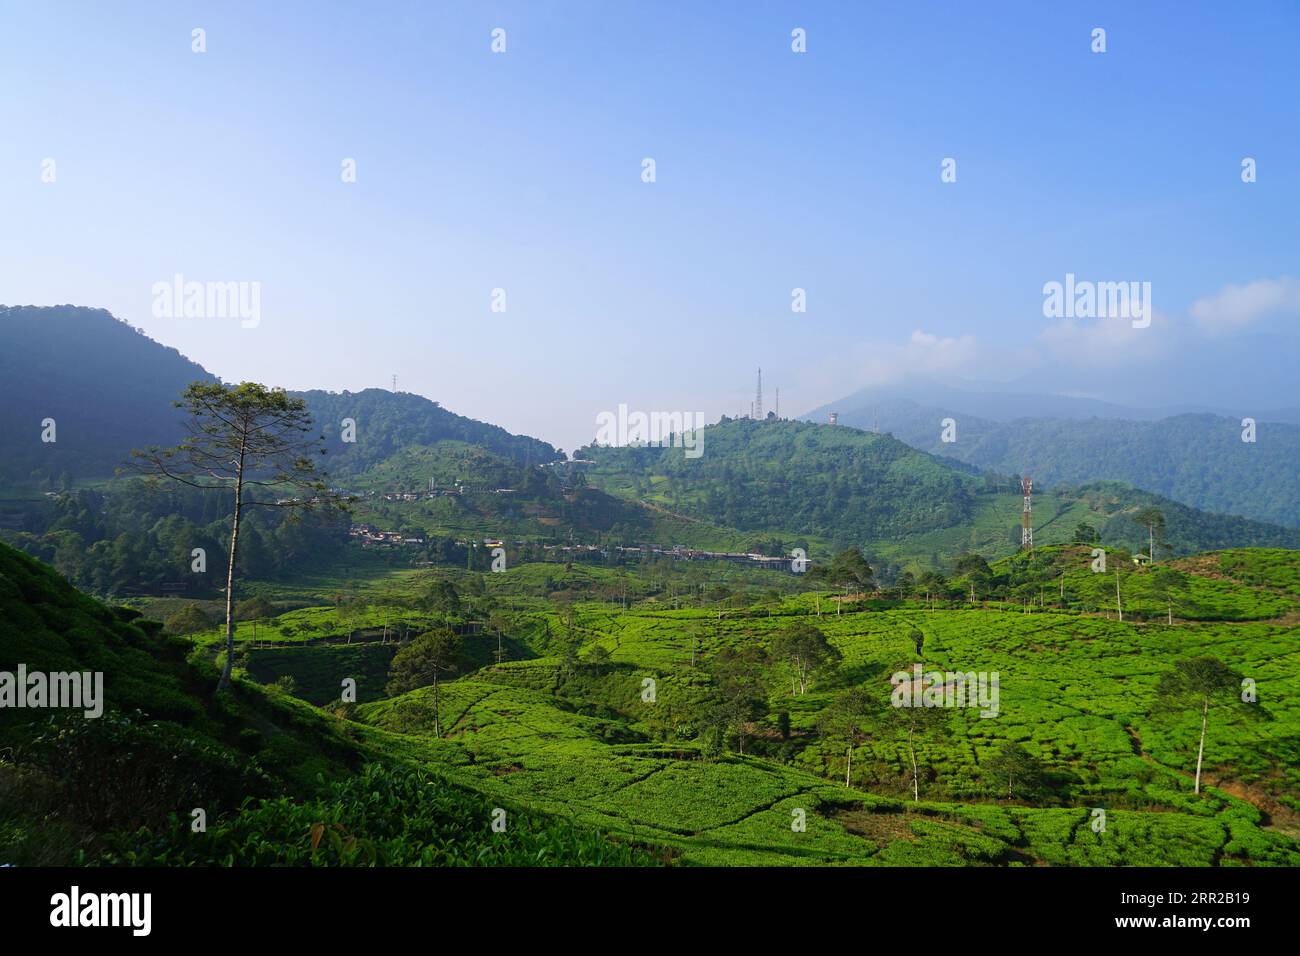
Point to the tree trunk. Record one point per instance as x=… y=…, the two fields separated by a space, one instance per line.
x=1205 y=716
x=437 y=719
x=230 y=573
x=1171 y=612
x=1118 y=604
x=1151 y=544
x=916 y=786
x=849 y=771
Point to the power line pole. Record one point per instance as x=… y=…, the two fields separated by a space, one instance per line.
x=1027 y=518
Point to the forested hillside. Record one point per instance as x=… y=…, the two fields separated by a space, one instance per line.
x=107 y=387
x=110 y=389
x=839 y=483
x=1198 y=459
x=855 y=487
x=126 y=538
x=388 y=422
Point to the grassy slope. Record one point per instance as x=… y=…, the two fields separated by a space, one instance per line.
x=49 y=626
x=1076 y=690
x=1202 y=591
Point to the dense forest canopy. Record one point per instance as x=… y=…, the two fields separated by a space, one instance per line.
x=838 y=483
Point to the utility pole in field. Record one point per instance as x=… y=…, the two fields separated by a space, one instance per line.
x=1027 y=517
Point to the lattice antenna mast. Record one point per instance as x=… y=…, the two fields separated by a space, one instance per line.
x=1027 y=518
x=394 y=383
x=758 y=398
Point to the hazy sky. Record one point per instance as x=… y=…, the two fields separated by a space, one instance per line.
x=774 y=170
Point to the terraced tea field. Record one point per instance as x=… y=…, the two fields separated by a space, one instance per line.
x=1077 y=691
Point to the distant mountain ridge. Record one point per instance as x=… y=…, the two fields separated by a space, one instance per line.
x=1197 y=458
x=109 y=388
x=1002 y=403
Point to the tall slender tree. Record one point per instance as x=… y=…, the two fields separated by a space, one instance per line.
x=807 y=651
x=1014 y=764
x=423 y=662
x=1195 y=684
x=253 y=442
x=1165 y=583
x=845 y=721
x=738 y=696
x=914 y=724
x=1153 y=519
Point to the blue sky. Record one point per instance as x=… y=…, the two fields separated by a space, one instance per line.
x=775 y=170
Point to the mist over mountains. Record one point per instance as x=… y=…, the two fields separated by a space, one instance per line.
x=109 y=389
x=1194 y=455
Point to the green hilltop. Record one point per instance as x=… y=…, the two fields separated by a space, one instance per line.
x=849 y=487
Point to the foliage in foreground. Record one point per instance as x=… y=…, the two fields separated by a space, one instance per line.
x=381 y=817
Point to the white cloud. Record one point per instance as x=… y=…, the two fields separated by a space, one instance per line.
x=923 y=354
x=1068 y=353
x=1237 y=306
x=866 y=364
x=1105 y=342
